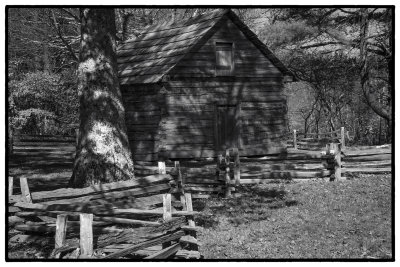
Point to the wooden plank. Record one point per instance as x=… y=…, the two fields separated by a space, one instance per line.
x=364 y=158
x=136 y=235
x=201 y=196
x=165 y=253
x=149 y=243
x=12 y=209
x=108 y=197
x=217 y=82
x=10 y=186
x=126 y=221
x=61 y=232
x=86 y=235
x=40 y=228
x=66 y=208
x=337 y=161
x=188 y=240
x=15 y=220
x=98 y=189
x=367 y=152
x=26 y=195
x=202 y=189
x=187 y=254
x=372 y=164
x=367 y=170
x=294 y=139
x=286 y=174
x=161 y=167
x=167 y=208
x=189 y=208
x=273 y=166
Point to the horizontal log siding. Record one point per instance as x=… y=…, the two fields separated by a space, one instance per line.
x=189 y=122
x=143 y=117
x=248 y=60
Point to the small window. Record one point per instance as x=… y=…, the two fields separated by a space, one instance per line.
x=224 y=59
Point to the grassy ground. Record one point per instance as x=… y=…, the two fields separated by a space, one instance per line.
x=314 y=219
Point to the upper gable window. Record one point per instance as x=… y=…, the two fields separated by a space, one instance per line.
x=224 y=59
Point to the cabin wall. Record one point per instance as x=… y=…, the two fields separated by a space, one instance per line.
x=194 y=92
x=143 y=113
x=190 y=121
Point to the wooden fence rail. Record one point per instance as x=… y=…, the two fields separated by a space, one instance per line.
x=93 y=214
x=317 y=141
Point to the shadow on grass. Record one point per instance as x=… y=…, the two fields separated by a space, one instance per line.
x=256 y=203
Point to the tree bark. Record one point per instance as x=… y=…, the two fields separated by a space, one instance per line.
x=372 y=99
x=103 y=154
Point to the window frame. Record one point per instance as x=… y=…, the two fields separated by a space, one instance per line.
x=225 y=73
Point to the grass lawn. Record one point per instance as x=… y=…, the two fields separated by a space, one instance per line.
x=300 y=220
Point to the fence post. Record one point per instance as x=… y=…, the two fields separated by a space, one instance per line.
x=10 y=186
x=167 y=209
x=342 y=137
x=236 y=173
x=227 y=176
x=161 y=167
x=189 y=207
x=61 y=232
x=294 y=139
x=11 y=141
x=179 y=176
x=336 y=153
x=167 y=214
x=338 y=162
x=76 y=137
x=86 y=235
x=26 y=195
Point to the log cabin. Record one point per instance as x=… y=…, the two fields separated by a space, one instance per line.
x=192 y=89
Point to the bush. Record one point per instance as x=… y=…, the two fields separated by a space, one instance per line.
x=43 y=103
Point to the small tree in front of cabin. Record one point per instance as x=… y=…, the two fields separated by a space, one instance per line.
x=103 y=153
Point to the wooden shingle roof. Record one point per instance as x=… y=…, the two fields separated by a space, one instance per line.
x=151 y=55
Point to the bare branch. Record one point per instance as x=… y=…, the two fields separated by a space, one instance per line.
x=67 y=45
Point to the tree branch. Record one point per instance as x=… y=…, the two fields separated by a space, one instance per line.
x=71 y=14
x=67 y=45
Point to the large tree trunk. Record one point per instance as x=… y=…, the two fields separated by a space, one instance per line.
x=103 y=153
x=370 y=95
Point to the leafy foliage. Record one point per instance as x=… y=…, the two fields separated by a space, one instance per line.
x=43 y=103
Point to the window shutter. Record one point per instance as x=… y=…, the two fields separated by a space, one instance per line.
x=224 y=59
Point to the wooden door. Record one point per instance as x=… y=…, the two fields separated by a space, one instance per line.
x=227 y=127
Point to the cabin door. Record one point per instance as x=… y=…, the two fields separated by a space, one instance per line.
x=227 y=127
